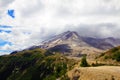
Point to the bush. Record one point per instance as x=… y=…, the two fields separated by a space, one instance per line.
x=106 y=57
x=102 y=54
x=116 y=56
x=115 y=49
x=84 y=62
x=51 y=77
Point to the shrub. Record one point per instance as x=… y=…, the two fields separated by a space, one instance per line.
x=102 y=54
x=116 y=56
x=115 y=49
x=51 y=77
x=106 y=57
x=84 y=62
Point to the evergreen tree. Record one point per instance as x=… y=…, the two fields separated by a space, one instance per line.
x=84 y=62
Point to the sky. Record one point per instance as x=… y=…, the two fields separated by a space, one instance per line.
x=24 y=23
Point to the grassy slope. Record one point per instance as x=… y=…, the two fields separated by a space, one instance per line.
x=39 y=65
x=34 y=65
x=95 y=73
x=112 y=55
x=106 y=67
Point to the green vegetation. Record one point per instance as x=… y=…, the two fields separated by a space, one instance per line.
x=102 y=54
x=113 y=54
x=84 y=62
x=116 y=56
x=34 y=65
x=114 y=49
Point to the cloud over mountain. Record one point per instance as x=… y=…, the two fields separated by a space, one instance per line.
x=38 y=19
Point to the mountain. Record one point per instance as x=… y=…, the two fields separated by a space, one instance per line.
x=103 y=44
x=113 y=41
x=70 y=38
x=71 y=43
x=48 y=61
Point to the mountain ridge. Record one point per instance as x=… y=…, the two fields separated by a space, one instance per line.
x=110 y=41
x=75 y=44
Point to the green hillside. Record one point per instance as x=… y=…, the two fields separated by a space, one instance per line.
x=113 y=54
x=35 y=65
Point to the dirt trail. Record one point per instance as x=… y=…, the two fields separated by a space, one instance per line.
x=95 y=73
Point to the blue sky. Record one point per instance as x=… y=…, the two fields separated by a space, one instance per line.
x=24 y=23
x=11 y=13
x=4 y=26
x=2 y=42
x=5 y=29
x=4 y=52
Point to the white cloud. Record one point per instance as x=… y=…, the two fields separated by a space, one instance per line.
x=37 y=19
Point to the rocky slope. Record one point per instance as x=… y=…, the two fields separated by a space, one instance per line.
x=74 y=39
x=72 y=44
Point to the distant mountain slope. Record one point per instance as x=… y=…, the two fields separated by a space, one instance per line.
x=72 y=43
x=69 y=37
x=105 y=43
x=75 y=44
